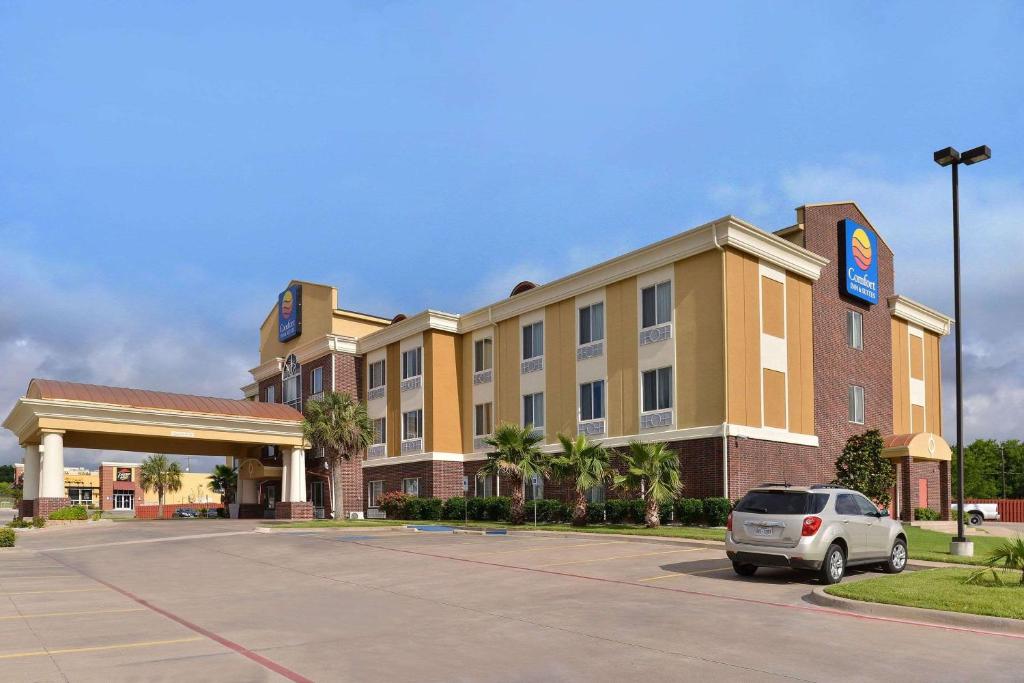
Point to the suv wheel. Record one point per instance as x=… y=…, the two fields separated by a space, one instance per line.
x=744 y=569
x=975 y=519
x=833 y=567
x=897 y=557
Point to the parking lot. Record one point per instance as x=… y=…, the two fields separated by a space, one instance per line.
x=213 y=600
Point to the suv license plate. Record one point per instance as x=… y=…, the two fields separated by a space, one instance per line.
x=764 y=531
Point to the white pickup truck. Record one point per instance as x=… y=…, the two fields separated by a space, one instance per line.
x=978 y=513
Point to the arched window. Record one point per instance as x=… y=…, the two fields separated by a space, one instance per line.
x=291 y=380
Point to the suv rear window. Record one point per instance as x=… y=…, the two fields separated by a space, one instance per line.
x=783 y=502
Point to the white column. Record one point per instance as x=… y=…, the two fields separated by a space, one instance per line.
x=297 y=476
x=286 y=476
x=51 y=470
x=30 y=480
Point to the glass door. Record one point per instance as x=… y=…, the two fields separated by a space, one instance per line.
x=124 y=500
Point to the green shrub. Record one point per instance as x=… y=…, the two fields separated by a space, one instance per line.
x=19 y=523
x=70 y=512
x=595 y=513
x=716 y=511
x=925 y=514
x=97 y=516
x=490 y=509
x=427 y=509
x=690 y=511
x=6 y=538
x=38 y=522
x=548 y=510
x=454 y=508
x=617 y=511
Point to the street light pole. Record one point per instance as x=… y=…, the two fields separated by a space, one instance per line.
x=951 y=157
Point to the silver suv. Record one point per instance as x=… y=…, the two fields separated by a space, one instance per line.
x=820 y=528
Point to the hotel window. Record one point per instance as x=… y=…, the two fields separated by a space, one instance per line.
x=657 y=386
x=533 y=410
x=412 y=424
x=483 y=354
x=411 y=486
x=412 y=362
x=373 y=492
x=533 y=340
x=316 y=380
x=483 y=486
x=483 y=422
x=591 y=323
x=596 y=494
x=377 y=374
x=855 y=329
x=856 y=404
x=271 y=394
x=380 y=430
x=657 y=304
x=592 y=401
x=291 y=381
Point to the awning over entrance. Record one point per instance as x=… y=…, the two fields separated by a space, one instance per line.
x=53 y=415
x=92 y=416
x=920 y=446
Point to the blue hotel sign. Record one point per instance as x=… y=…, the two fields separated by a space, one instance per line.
x=860 y=246
x=289 y=313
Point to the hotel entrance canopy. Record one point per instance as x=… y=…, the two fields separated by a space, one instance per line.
x=55 y=414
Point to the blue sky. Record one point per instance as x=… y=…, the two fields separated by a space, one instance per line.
x=165 y=168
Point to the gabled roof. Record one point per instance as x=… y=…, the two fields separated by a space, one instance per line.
x=159 y=400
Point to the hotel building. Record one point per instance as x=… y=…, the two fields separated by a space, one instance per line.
x=755 y=355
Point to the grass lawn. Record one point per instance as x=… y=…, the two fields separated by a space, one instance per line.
x=934 y=546
x=942 y=589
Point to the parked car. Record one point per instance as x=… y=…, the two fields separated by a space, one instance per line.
x=185 y=512
x=978 y=513
x=821 y=528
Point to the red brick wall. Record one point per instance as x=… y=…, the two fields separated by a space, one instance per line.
x=836 y=365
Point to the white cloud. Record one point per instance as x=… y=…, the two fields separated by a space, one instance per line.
x=914 y=216
x=64 y=322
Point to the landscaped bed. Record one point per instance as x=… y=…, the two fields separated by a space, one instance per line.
x=941 y=589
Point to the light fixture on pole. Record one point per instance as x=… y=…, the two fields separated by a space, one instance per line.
x=950 y=157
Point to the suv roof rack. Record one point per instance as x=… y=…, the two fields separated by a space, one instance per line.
x=773 y=483
x=826 y=486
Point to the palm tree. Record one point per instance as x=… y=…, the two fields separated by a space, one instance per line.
x=161 y=475
x=1009 y=555
x=517 y=457
x=585 y=463
x=652 y=469
x=339 y=425
x=223 y=480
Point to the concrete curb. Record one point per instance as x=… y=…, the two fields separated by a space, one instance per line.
x=929 y=616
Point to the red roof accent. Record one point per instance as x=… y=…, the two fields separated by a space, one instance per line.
x=141 y=398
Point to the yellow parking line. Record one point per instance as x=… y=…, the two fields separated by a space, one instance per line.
x=73 y=614
x=97 y=648
x=63 y=590
x=560 y=547
x=622 y=557
x=678 y=574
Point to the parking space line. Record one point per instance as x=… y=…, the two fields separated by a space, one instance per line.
x=61 y=590
x=548 y=547
x=98 y=648
x=72 y=614
x=678 y=574
x=36 y=577
x=621 y=557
